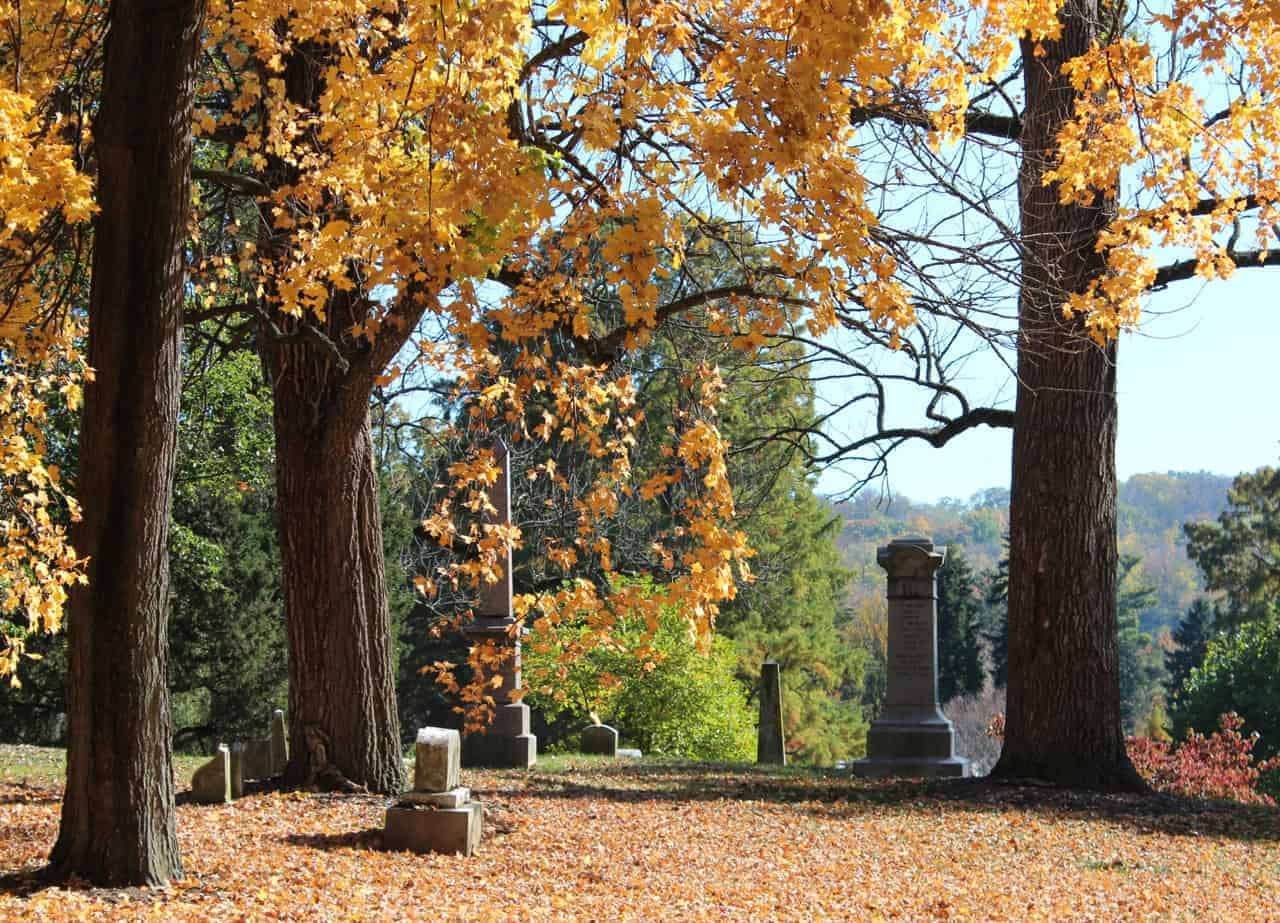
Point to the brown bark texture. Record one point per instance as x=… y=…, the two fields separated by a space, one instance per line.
x=344 y=728
x=118 y=808
x=343 y=722
x=1063 y=723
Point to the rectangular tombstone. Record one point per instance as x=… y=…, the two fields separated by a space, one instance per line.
x=237 y=770
x=437 y=760
x=506 y=742
x=211 y=783
x=279 y=743
x=257 y=761
x=771 y=745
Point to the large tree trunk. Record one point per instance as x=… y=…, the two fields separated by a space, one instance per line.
x=117 y=812
x=344 y=725
x=1063 y=721
x=342 y=698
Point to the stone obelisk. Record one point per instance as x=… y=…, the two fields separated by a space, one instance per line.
x=911 y=737
x=507 y=741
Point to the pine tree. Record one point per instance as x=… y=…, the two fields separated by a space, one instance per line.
x=1192 y=636
x=959 y=614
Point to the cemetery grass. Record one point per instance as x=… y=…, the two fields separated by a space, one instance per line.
x=582 y=838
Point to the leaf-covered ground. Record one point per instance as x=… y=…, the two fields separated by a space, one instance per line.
x=588 y=840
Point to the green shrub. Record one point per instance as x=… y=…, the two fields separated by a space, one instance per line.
x=1240 y=673
x=678 y=702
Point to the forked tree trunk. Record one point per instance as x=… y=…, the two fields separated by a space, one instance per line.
x=342 y=698
x=117 y=811
x=1063 y=721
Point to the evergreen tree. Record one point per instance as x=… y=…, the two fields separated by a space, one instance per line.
x=1239 y=554
x=1192 y=637
x=995 y=619
x=959 y=614
x=1141 y=665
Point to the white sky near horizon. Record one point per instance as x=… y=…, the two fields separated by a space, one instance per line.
x=1199 y=388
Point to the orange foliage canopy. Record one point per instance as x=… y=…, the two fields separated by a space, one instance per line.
x=455 y=145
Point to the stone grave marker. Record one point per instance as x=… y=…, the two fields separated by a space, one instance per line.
x=911 y=737
x=770 y=742
x=507 y=741
x=256 y=760
x=599 y=740
x=211 y=783
x=438 y=815
x=279 y=743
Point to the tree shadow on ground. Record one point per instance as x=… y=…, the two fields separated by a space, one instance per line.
x=370 y=838
x=832 y=795
x=29 y=794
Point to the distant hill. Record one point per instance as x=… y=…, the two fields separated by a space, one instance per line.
x=1152 y=509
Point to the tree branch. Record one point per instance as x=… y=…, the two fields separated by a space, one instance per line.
x=1186 y=269
x=236 y=181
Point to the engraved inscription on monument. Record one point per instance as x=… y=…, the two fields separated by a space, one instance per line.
x=913 y=653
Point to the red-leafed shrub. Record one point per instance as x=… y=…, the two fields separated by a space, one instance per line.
x=1218 y=766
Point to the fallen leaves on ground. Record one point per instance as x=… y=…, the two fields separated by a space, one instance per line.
x=644 y=841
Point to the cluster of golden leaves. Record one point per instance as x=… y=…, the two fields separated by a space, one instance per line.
x=424 y=168
x=597 y=842
x=41 y=186
x=458 y=142
x=1198 y=126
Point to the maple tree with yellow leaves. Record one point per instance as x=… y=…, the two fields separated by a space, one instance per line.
x=398 y=161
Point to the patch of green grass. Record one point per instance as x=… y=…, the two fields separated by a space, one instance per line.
x=48 y=765
x=32 y=765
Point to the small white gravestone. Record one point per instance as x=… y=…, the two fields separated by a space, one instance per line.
x=438 y=815
x=437 y=760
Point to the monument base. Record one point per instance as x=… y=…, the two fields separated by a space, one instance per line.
x=506 y=743
x=953 y=767
x=911 y=741
x=429 y=829
x=495 y=751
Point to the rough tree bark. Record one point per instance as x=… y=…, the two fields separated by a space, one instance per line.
x=1063 y=721
x=344 y=725
x=117 y=812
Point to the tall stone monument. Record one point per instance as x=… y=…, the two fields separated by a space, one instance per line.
x=770 y=741
x=506 y=742
x=911 y=737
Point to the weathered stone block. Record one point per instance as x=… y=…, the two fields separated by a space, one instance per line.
x=437 y=760
x=600 y=739
x=454 y=798
x=279 y=743
x=237 y=770
x=256 y=759
x=211 y=783
x=428 y=829
x=500 y=752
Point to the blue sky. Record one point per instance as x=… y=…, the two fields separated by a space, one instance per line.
x=1199 y=390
